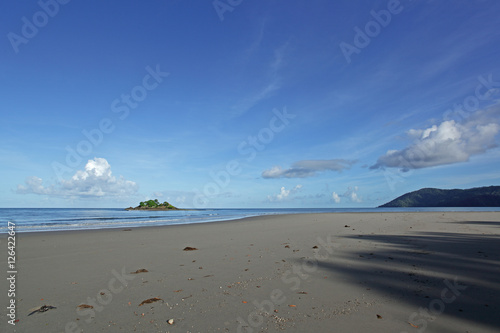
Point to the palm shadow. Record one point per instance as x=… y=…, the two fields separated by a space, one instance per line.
x=451 y=273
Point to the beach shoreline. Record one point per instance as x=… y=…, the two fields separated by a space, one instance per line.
x=299 y=272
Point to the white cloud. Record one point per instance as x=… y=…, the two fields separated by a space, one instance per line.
x=446 y=143
x=284 y=194
x=34 y=185
x=307 y=168
x=352 y=195
x=96 y=180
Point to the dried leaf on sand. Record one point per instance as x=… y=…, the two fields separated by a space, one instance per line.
x=151 y=300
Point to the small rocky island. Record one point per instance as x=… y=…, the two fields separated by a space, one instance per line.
x=153 y=205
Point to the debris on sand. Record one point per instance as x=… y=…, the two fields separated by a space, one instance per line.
x=151 y=300
x=85 y=306
x=189 y=248
x=42 y=308
x=142 y=270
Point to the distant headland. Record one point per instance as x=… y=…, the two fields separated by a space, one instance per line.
x=434 y=197
x=153 y=205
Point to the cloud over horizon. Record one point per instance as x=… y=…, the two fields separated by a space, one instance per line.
x=447 y=143
x=284 y=194
x=307 y=168
x=350 y=194
x=96 y=180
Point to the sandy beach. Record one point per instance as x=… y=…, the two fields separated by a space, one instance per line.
x=340 y=272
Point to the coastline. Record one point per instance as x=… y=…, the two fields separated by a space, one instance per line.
x=365 y=264
x=57 y=219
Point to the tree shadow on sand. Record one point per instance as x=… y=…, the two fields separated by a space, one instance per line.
x=456 y=274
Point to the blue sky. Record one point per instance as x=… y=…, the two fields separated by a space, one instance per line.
x=246 y=103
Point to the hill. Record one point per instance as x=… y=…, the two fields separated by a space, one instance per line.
x=433 y=197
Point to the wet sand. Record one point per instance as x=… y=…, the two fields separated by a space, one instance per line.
x=339 y=272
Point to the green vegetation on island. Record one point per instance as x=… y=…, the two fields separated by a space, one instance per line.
x=153 y=205
x=433 y=197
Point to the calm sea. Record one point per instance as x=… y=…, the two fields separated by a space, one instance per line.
x=56 y=219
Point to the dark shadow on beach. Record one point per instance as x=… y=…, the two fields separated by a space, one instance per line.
x=452 y=274
x=485 y=223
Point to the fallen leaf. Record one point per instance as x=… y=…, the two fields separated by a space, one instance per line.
x=413 y=325
x=85 y=306
x=244 y=302
x=292 y=306
x=151 y=300
x=177 y=291
x=189 y=248
x=379 y=316
x=315 y=246
x=42 y=308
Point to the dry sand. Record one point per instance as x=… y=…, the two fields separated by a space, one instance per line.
x=342 y=272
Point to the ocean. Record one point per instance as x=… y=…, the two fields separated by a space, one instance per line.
x=58 y=219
